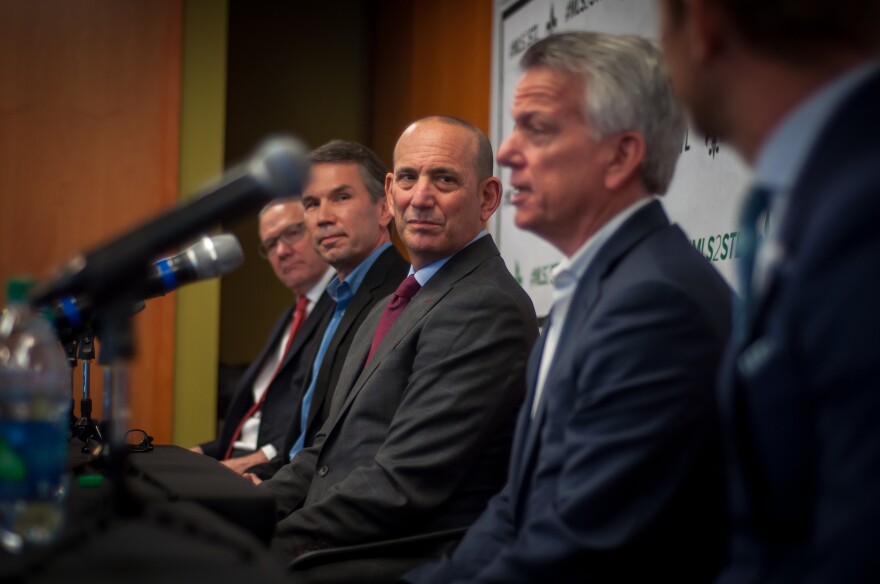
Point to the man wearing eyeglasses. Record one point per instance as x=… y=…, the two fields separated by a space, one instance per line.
x=267 y=396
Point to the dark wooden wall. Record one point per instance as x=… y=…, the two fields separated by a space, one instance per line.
x=89 y=125
x=90 y=116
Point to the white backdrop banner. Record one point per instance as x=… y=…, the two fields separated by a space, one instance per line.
x=710 y=178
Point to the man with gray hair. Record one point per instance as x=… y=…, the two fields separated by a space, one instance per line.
x=616 y=469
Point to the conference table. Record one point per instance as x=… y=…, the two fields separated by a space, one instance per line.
x=180 y=517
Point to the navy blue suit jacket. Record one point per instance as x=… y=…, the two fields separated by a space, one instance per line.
x=618 y=476
x=284 y=393
x=801 y=393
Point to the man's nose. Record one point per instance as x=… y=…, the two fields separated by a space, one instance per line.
x=423 y=193
x=509 y=153
x=283 y=249
x=325 y=214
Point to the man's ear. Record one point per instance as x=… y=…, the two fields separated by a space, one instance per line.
x=627 y=152
x=705 y=27
x=490 y=197
x=388 y=204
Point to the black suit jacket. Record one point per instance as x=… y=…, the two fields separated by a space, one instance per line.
x=801 y=393
x=418 y=438
x=383 y=278
x=618 y=476
x=283 y=392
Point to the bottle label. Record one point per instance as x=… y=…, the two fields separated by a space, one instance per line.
x=33 y=459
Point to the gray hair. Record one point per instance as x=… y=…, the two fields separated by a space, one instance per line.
x=626 y=90
x=343 y=152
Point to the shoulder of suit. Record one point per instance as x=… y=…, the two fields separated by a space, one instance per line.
x=387 y=266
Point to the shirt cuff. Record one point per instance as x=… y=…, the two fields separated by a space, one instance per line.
x=270 y=451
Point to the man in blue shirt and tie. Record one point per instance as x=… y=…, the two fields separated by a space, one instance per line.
x=347 y=216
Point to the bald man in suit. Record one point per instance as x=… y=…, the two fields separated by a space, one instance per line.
x=419 y=431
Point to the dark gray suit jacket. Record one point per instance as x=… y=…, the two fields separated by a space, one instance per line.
x=283 y=395
x=383 y=277
x=418 y=440
x=618 y=476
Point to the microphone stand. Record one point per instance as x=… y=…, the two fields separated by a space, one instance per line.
x=70 y=353
x=114 y=328
x=114 y=275
x=86 y=428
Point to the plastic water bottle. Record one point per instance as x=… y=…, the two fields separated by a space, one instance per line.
x=34 y=404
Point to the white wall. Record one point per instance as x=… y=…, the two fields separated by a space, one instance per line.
x=705 y=194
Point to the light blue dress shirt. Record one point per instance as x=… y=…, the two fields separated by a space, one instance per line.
x=342 y=293
x=566 y=276
x=427 y=272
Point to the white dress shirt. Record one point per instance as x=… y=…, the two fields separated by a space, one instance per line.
x=251 y=428
x=566 y=276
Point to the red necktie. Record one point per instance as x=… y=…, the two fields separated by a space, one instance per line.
x=299 y=315
x=399 y=301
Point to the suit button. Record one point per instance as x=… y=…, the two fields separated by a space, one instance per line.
x=322 y=471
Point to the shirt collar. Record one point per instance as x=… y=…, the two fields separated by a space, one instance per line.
x=342 y=292
x=427 y=272
x=570 y=270
x=315 y=293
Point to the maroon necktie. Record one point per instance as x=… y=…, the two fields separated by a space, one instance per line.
x=299 y=315
x=399 y=301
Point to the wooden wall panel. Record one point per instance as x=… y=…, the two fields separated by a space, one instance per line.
x=89 y=118
x=295 y=67
x=202 y=142
x=431 y=58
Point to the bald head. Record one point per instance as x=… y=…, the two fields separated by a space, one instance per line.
x=441 y=190
x=481 y=149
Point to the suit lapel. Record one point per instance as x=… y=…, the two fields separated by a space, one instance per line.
x=305 y=331
x=356 y=305
x=526 y=427
x=351 y=378
x=243 y=398
x=459 y=266
x=251 y=374
x=361 y=299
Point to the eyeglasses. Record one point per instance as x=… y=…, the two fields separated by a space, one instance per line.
x=290 y=235
x=138 y=441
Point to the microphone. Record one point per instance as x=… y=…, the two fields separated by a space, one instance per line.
x=209 y=258
x=277 y=169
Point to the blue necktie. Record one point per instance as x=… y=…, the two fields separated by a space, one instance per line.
x=756 y=204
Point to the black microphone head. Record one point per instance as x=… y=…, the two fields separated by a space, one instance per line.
x=214 y=256
x=281 y=166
